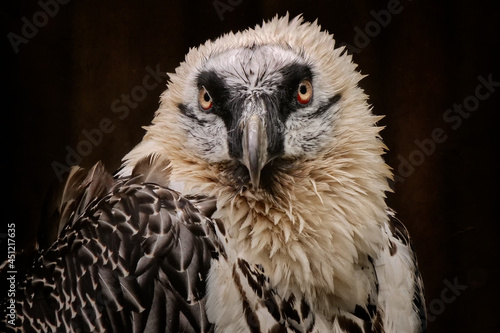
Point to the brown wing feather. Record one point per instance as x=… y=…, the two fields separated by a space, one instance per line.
x=135 y=259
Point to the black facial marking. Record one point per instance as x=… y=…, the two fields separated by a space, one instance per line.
x=217 y=90
x=292 y=75
x=227 y=108
x=190 y=113
x=279 y=105
x=275 y=127
x=325 y=106
x=235 y=109
x=229 y=102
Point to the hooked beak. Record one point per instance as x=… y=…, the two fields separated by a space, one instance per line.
x=255 y=155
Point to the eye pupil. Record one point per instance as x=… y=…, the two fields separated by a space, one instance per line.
x=206 y=97
x=303 y=89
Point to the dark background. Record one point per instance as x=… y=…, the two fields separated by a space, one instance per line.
x=65 y=77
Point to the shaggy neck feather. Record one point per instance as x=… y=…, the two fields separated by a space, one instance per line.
x=311 y=239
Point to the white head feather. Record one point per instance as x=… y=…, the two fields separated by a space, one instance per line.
x=324 y=219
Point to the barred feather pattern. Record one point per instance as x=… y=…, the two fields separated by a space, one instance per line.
x=314 y=249
x=136 y=261
x=317 y=223
x=143 y=258
x=248 y=302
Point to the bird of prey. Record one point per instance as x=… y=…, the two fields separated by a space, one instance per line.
x=254 y=203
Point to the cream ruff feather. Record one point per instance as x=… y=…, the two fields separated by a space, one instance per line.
x=325 y=223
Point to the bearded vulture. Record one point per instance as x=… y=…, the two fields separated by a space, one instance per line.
x=254 y=203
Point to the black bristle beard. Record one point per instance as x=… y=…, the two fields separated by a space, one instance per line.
x=275 y=177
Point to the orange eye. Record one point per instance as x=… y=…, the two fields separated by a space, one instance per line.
x=204 y=99
x=304 y=92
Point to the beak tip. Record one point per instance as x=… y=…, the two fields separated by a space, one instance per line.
x=255 y=179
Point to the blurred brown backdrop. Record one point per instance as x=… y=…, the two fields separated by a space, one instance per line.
x=77 y=61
